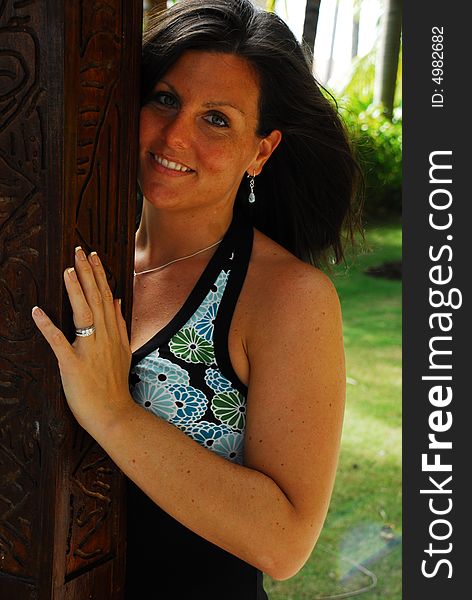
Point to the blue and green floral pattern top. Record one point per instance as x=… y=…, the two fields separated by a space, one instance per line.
x=184 y=376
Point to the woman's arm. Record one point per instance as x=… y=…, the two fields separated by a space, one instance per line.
x=270 y=511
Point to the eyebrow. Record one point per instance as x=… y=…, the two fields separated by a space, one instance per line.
x=223 y=103
x=207 y=104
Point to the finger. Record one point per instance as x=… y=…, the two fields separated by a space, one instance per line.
x=106 y=294
x=54 y=336
x=81 y=311
x=90 y=289
x=121 y=323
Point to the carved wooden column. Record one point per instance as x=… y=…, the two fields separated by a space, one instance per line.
x=68 y=153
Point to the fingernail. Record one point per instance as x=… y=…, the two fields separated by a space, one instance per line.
x=80 y=253
x=72 y=274
x=119 y=301
x=94 y=258
x=37 y=312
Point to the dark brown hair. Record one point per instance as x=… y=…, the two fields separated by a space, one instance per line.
x=307 y=191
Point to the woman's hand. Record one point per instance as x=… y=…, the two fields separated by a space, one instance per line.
x=94 y=369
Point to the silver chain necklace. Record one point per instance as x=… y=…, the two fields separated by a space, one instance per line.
x=177 y=259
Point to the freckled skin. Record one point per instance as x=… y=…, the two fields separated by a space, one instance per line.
x=287 y=402
x=178 y=125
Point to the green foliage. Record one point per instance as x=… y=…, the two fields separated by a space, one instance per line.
x=361 y=84
x=377 y=140
x=378 y=146
x=362 y=79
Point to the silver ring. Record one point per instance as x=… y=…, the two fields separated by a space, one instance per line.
x=85 y=331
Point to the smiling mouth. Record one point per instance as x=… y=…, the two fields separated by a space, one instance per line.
x=172 y=166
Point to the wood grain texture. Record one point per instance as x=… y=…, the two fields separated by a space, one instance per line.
x=69 y=111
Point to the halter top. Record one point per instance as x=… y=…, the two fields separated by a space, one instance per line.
x=184 y=375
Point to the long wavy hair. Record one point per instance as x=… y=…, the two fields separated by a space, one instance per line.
x=307 y=193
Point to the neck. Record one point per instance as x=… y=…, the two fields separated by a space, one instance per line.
x=163 y=236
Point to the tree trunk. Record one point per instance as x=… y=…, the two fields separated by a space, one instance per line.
x=333 y=37
x=68 y=151
x=387 y=58
x=355 y=29
x=310 y=26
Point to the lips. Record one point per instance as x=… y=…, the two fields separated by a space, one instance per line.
x=171 y=165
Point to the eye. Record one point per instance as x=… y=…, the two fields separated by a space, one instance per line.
x=164 y=99
x=217 y=120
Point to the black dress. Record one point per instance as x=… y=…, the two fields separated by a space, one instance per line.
x=184 y=375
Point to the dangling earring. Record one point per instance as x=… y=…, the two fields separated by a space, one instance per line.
x=252 y=197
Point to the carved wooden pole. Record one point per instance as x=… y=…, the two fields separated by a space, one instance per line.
x=68 y=153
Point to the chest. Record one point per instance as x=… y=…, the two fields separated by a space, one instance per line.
x=156 y=301
x=159 y=300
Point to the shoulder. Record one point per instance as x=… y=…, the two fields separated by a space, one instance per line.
x=280 y=285
x=287 y=309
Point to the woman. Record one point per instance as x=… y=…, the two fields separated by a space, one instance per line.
x=228 y=427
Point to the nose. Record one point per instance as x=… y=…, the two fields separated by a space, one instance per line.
x=177 y=131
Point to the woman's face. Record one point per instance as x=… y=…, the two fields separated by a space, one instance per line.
x=198 y=132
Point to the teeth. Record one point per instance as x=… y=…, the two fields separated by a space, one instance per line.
x=170 y=165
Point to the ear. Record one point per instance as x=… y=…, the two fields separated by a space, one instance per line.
x=266 y=146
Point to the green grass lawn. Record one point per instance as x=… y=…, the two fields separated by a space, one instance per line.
x=360 y=546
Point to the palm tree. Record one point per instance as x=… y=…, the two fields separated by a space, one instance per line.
x=355 y=28
x=310 y=25
x=387 y=56
x=333 y=36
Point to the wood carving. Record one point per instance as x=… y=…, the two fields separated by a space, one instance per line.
x=68 y=155
x=22 y=165
x=94 y=70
